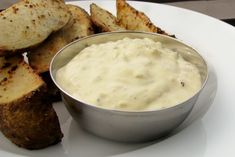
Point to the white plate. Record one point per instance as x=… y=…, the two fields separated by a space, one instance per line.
x=210 y=136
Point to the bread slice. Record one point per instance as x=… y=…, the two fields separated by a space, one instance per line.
x=133 y=19
x=79 y=26
x=104 y=20
x=29 y=22
x=26 y=116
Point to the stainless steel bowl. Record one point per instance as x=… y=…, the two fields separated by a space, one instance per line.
x=122 y=125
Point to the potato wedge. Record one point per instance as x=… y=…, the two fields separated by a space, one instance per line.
x=104 y=20
x=79 y=26
x=82 y=25
x=26 y=116
x=133 y=19
x=29 y=22
x=40 y=57
x=53 y=93
x=16 y=79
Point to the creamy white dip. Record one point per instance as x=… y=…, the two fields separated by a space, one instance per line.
x=130 y=75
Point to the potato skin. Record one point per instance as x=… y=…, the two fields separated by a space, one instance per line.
x=26 y=24
x=53 y=93
x=133 y=19
x=30 y=122
x=79 y=26
x=104 y=20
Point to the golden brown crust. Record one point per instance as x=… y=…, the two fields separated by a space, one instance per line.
x=104 y=20
x=26 y=115
x=133 y=19
x=30 y=122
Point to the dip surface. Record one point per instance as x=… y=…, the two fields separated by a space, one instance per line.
x=130 y=75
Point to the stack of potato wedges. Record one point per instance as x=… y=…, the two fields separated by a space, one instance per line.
x=128 y=18
x=41 y=28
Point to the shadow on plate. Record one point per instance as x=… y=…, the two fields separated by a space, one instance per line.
x=205 y=100
x=190 y=142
